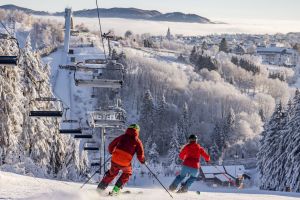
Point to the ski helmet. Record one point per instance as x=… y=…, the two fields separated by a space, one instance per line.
x=193 y=137
x=134 y=126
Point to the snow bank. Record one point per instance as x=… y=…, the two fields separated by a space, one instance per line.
x=14 y=186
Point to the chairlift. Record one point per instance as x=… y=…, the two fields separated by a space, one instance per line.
x=10 y=60
x=95 y=81
x=96 y=61
x=96 y=164
x=101 y=83
x=47 y=113
x=83 y=136
x=91 y=148
x=96 y=70
x=70 y=131
x=113 y=117
x=74 y=33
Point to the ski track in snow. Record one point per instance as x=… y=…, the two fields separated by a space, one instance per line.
x=13 y=186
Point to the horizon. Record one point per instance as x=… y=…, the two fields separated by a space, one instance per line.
x=214 y=10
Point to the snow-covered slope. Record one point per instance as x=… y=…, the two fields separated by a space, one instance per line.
x=14 y=186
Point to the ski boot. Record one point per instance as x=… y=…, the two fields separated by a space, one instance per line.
x=183 y=189
x=172 y=187
x=101 y=187
x=115 y=191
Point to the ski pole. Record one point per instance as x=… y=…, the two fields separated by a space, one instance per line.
x=95 y=173
x=158 y=179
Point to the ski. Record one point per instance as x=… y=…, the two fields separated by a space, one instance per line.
x=124 y=192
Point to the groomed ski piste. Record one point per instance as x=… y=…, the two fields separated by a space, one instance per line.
x=13 y=186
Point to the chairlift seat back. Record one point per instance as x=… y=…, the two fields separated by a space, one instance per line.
x=83 y=136
x=46 y=113
x=91 y=148
x=8 y=60
x=70 y=131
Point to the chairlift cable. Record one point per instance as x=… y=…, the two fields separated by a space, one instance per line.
x=100 y=28
x=5 y=28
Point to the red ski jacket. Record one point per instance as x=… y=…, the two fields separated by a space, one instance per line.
x=125 y=146
x=191 y=153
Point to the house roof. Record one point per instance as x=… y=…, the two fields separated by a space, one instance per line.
x=231 y=170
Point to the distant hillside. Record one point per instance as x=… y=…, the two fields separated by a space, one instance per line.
x=181 y=17
x=127 y=13
x=26 y=10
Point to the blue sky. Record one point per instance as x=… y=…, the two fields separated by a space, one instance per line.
x=264 y=9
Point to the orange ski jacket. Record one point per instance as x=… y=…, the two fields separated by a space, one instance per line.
x=125 y=146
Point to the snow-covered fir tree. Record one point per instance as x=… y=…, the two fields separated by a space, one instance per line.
x=278 y=158
x=29 y=145
x=174 y=149
x=292 y=141
x=223 y=46
x=269 y=143
x=183 y=125
x=153 y=155
x=146 y=120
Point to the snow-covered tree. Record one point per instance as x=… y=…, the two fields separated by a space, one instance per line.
x=146 y=120
x=153 y=156
x=30 y=145
x=269 y=143
x=223 y=46
x=183 y=125
x=174 y=149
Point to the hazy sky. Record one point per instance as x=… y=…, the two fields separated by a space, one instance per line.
x=214 y=9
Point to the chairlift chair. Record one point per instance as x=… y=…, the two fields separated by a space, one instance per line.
x=70 y=131
x=95 y=81
x=108 y=118
x=74 y=33
x=10 y=60
x=96 y=164
x=83 y=136
x=96 y=61
x=69 y=122
x=91 y=148
x=101 y=83
x=47 y=113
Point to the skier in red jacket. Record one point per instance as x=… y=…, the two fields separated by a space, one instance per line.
x=190 y=154
x=123 y=149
